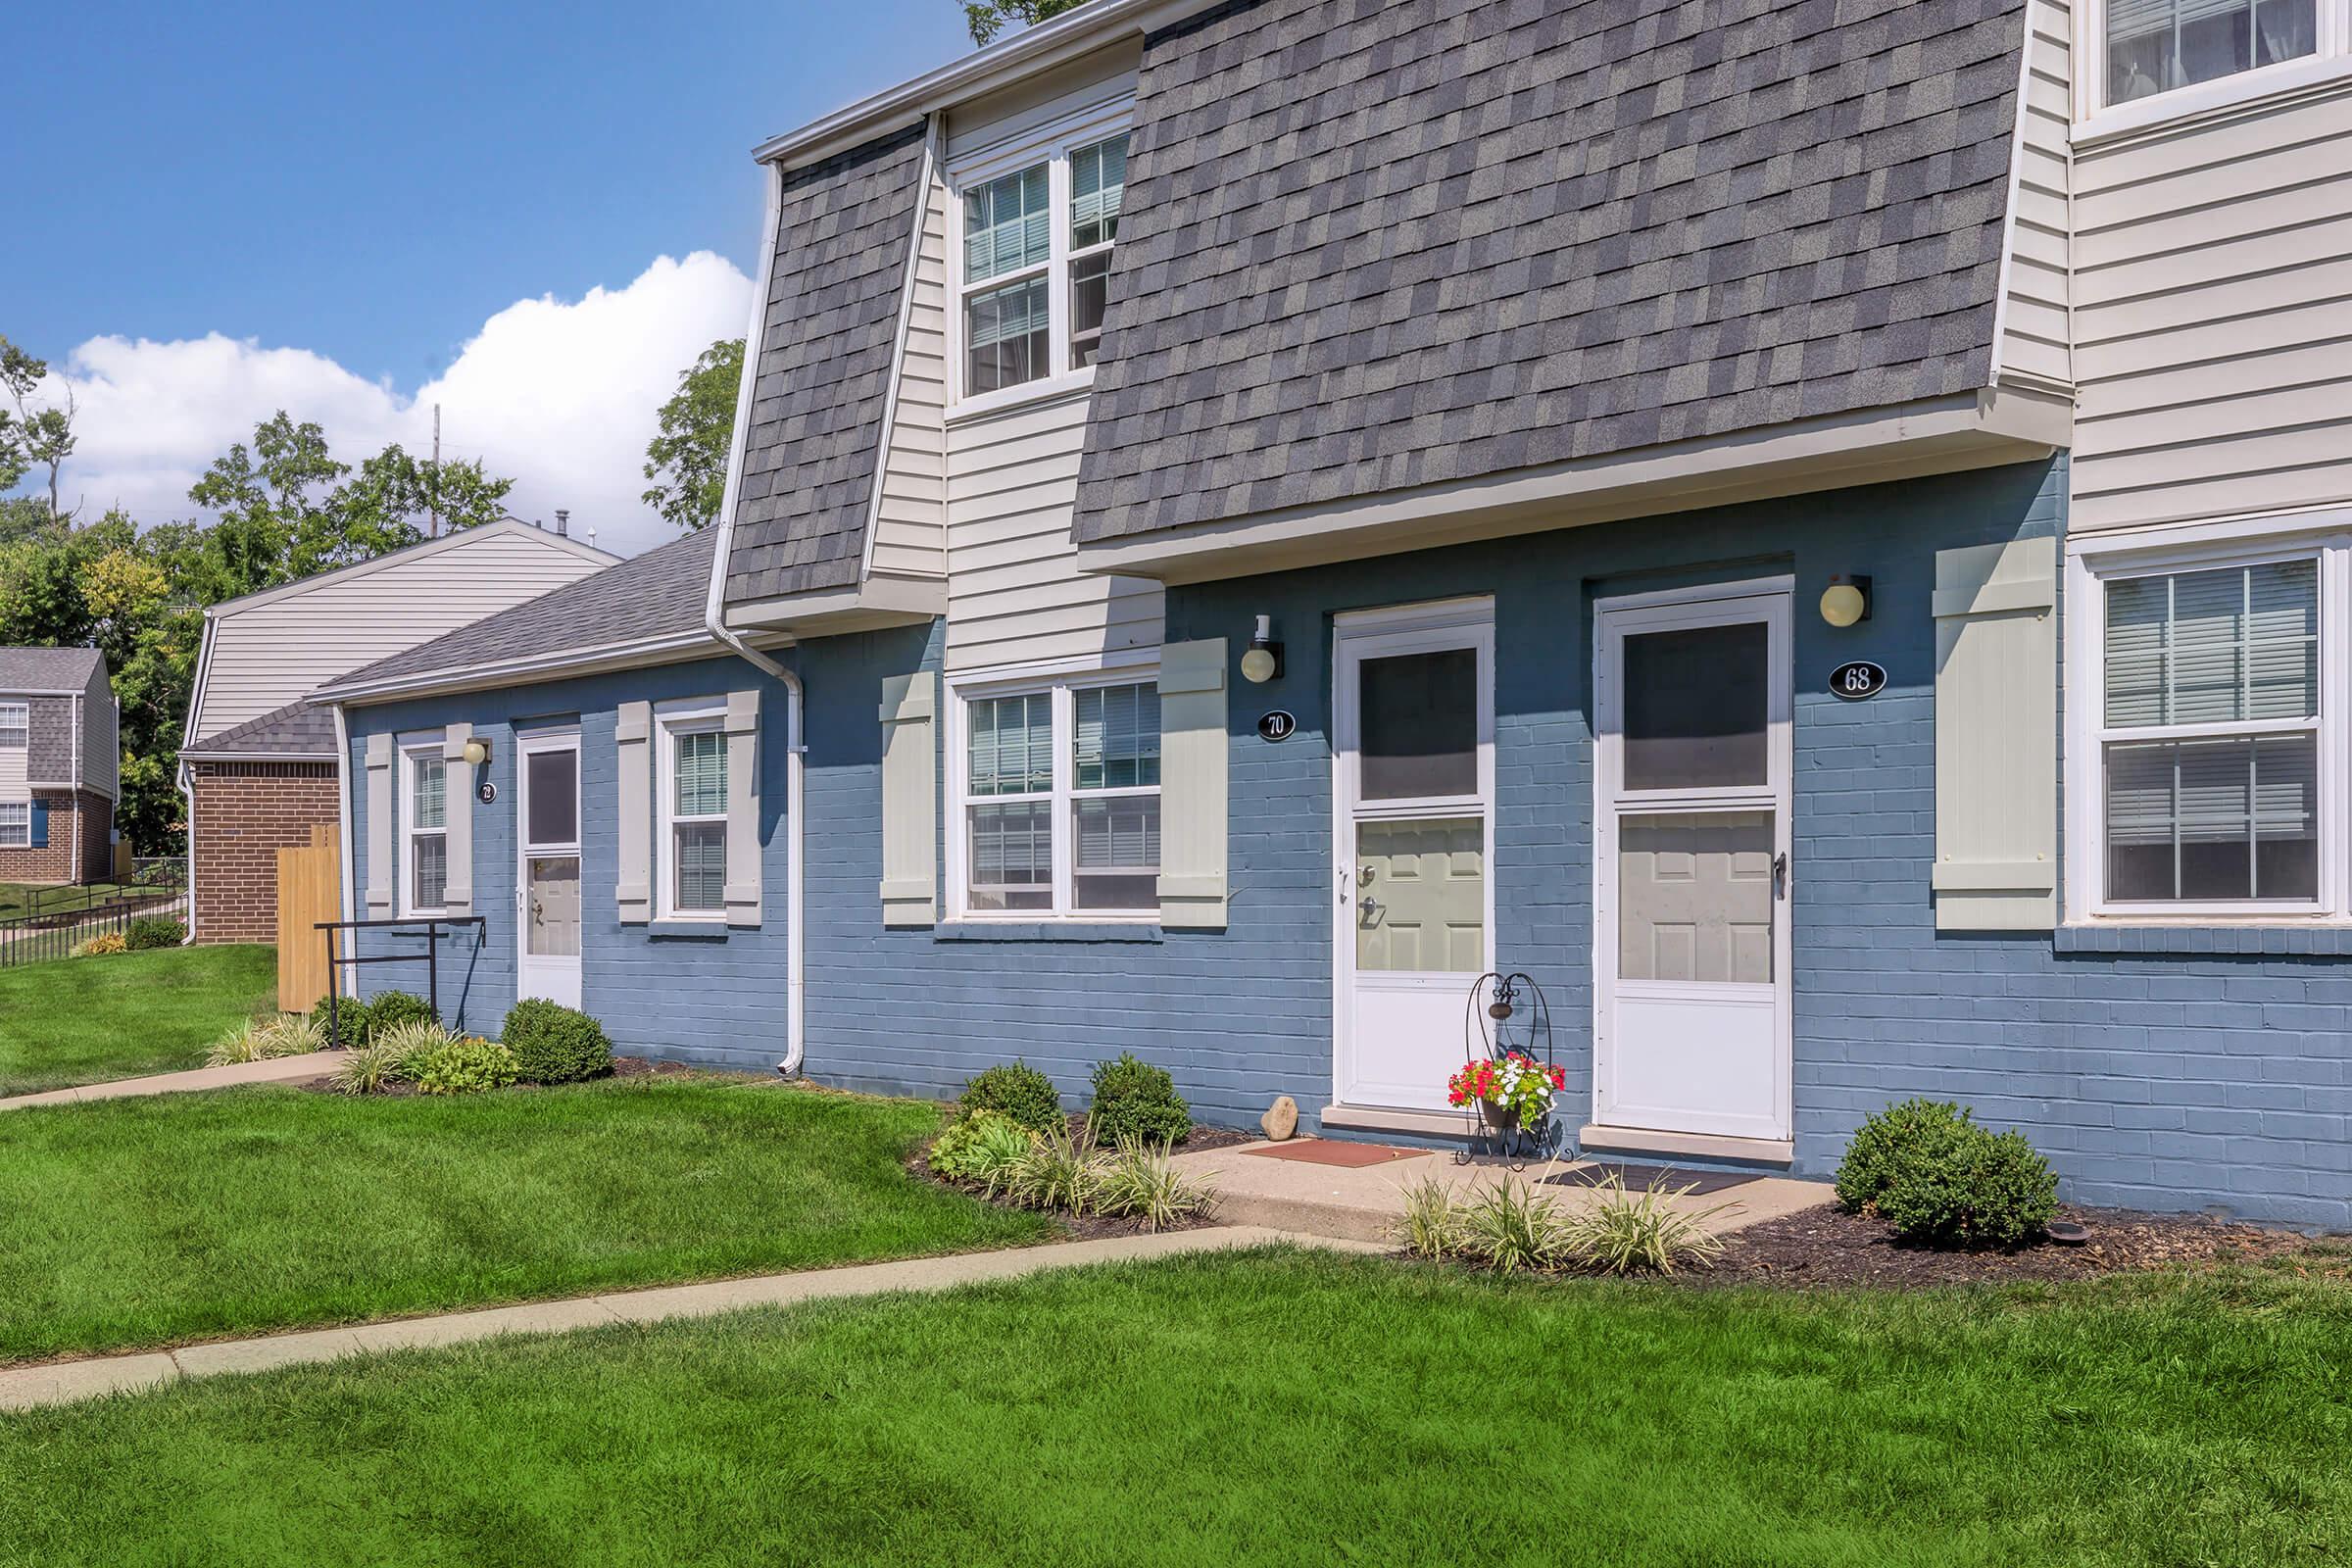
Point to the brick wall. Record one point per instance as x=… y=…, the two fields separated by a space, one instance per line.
x=245 y=813
x=70 y=812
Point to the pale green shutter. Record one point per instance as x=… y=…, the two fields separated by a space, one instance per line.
x=382 y=805
x=1193 y=789
x=633 y=854
x=743 y=808
x=909 y=799
x=457 y=806
x=1996 y=737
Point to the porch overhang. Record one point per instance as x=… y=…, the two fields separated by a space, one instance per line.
x=881 y=599
x=1983 y=429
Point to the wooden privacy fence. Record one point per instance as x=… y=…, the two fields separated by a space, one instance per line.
x=310 y=889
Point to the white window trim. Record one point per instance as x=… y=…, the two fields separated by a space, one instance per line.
x=15 y=824
x=1062 y=678
x=1052 y=144
x=2095 y=117
x=697 y=716
x=2229 y=542
x=413 y=750
x=21 y=712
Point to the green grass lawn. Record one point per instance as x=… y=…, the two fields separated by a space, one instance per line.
x=86 y=1021
x=1276 y=1408
x=142 y=1222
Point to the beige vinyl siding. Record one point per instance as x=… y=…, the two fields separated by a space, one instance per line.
x=15 y=783
x=1015 y=591
x=2034 y=330
x=909 y=519
x=2213 y=300
x=284 y=648
x=1098 y=77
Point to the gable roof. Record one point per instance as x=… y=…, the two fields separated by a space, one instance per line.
x=1370 y=246
x=813 y=440
x=657 y=596
x=48 y=670
x=297 y=729
x=503 y=528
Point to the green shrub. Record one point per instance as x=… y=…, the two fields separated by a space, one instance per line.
x=1018 y=1090
x=395 y=1007
x=155 y=931
x=1136 y=1102
x=462 y=1066
x=351 y=1021
x=1885 y=1143
x=1972 y=1188
x=981 y=1147
x=555 y=1044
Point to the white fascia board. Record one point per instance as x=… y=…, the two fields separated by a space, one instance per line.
x=1974 y=431
x=1031 y=50
x=883 y=599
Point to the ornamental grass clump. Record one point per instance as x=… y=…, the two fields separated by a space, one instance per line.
x=369 y=1069
x=1140 y=1181
x=105 y=945
x=1509 y=1227
x=1057 y=1171
x=1624 y=1232
x=1941 y=1179
x=289 y=1034
x=1431 y=1226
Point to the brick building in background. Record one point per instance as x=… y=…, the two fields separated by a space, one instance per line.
x=258 y=765
x=58 y=765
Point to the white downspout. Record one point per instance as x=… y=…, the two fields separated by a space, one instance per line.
x=350 y=852
x=714 y=620
x=187 y=791
x=74 y=857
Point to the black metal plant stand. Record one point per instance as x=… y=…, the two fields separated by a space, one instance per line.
x=1506 y=1013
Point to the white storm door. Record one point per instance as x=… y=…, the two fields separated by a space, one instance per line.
x=1691 y=861
x=548 y=880
x=1413 y=833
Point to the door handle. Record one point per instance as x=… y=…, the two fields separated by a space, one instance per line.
x=1780 y=874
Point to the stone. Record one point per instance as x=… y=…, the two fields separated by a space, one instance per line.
x=1281 y=1119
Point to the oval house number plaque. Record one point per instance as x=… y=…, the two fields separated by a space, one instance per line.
x=1858 y=679
x=1277 y=725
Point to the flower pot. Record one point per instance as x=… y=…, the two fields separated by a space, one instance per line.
x=1497 y=1118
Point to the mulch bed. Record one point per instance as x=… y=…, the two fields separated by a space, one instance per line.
x=1826 y=1247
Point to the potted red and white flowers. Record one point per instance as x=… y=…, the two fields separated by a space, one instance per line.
x=1511 y=1091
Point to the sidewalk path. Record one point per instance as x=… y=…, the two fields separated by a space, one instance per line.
x=67 y=1382
x=276 y=1070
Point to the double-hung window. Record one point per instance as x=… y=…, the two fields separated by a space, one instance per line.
x=2215 y=736
x=15 y=726
x=694 y=815
x=2142 y=49
x=15 y=824
x=1033 y=278
x=425 y=829
x=1060 y=800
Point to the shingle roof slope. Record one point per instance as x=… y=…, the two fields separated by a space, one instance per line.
x=47 y=669
x=1375 y=244
x=296 y=729
x=815 y=436
x=663 y=592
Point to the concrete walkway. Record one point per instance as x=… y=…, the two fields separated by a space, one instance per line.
x=276 y=1070
x=67 y=1382
x=1364 y=1203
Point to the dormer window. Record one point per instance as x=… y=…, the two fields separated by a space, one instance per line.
x=2155 y=46
x=1033 y=267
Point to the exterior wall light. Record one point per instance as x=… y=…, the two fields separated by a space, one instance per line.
x=477 y=751
x=1846 y=600
x=1263 y=661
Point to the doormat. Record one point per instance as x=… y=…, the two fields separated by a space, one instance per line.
x=1638 y=1177
x=1328 y=1152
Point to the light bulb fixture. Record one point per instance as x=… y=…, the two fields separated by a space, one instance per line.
x=477 y=751
x=1263 y=661
x=1846 y=600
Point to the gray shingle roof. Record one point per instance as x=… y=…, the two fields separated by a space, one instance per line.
x=658 y=594
x=297 y=729
x=47 y=669
x=816 y=437
x=1374 y=244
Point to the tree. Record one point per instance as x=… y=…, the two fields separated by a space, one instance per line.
x=688 y=460
x=987 y=18
x=32 y=434
x=395 y=500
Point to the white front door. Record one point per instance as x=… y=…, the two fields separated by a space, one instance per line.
x=1413 y=832
x=1690 y=861
x=547 y=884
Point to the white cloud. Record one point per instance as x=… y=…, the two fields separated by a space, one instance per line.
x=559 y=394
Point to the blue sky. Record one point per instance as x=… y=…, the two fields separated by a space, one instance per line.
x=371 y=184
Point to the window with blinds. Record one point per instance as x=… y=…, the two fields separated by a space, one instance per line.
x=697 y=821
x=425 y=841
x=2211 y=735
x=1059 y=813
x=2155 y=46
x=15 y=824
x=1035 y=275
x=15 y=726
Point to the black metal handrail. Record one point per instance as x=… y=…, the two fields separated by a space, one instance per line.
x=431 y=926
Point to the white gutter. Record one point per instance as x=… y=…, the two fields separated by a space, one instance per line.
x=349 y=866
x=187 y=791
x=1073 y=32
